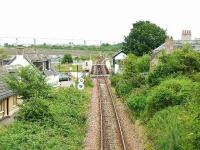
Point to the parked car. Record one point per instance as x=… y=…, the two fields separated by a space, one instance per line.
x=64 y=77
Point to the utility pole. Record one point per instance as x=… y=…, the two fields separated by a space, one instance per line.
x=16 y=42
x=34 y=44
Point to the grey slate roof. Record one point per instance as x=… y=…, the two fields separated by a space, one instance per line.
x=31 y=57
x=35 y=57
x=4 y=89
x=195 y=44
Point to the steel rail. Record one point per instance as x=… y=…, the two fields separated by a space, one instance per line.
x=116 y=114
x=101 y=70
x=101 y=113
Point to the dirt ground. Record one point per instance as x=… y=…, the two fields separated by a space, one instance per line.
x=92 y=140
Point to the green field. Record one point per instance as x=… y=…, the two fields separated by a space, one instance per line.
x=67 y=67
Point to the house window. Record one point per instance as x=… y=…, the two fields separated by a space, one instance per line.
x=14 y=100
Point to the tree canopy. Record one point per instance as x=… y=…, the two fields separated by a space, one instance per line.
x=28 y=82
x=143 y=38
x=67 y=59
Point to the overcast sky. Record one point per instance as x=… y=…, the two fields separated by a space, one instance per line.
x=105 y=20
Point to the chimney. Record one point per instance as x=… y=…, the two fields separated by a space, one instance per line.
x=20 y=50
x=186 y=35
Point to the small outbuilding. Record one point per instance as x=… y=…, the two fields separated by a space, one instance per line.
x=8 y=99
x=117 y=59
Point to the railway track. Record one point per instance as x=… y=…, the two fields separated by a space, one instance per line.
x=111 y=134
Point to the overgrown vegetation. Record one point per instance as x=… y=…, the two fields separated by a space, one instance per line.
x=165 y=98
x=28 y=82
x=54 y=122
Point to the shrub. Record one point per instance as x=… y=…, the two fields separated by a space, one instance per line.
x=36 y=110
x=175 y=128
x=143 y=63
x=123 y=88
x=180 y=62
x=137 y=102
x=115 y=78
x=28 y=82
x=171 y=92
x=69 y=113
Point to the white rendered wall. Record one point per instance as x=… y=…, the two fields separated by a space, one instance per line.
x=116 y=68
x=108 y=65
x=20 y=60
x=121 y=56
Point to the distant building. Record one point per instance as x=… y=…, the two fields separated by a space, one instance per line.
x=170 y=45
x=117 y=59
x=8 y=99
x=39 y=61
x=87 y=65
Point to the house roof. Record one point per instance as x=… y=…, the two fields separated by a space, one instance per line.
x=121 y=51
x=4 y=89
x=195 y=44
x=35 y=57
x=31 y=57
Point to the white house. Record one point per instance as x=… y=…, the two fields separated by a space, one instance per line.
x=36 y=60
x=87 y=65
x=117 y=59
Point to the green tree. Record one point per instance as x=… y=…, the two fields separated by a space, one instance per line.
x=67 y=59
x=143 y=38
x=28 y=82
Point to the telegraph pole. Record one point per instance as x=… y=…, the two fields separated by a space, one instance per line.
x=34 y=44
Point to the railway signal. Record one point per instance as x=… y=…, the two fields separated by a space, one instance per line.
x=81 y=86
x=81 y=80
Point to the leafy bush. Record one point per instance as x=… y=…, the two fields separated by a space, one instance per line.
x=175 y=128
x=181 y=62
x=137 y=101
x=115 y=78
x=28 y=82
x=143 y=63
x=123 y=88
x=68 y=109
x=171 y=92
x=36 y=110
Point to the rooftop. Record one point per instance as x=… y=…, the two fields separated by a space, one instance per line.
x=4 y=89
